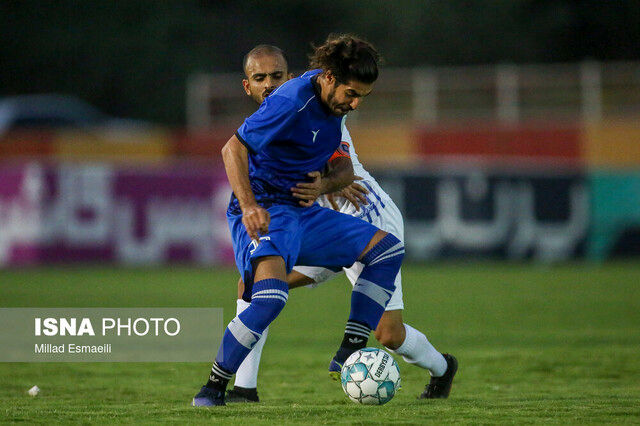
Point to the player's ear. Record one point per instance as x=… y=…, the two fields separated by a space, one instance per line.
x=328 y=75
x=245 y=85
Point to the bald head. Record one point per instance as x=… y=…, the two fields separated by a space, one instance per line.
x=263 y=49
x=265 y=68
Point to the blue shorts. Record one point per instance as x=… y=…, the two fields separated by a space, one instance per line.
x=312 y=236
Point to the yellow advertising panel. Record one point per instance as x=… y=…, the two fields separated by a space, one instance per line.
x=109 y=145
x=383 y=144
x=612 y=144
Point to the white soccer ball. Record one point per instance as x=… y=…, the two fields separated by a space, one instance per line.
x=370 y=376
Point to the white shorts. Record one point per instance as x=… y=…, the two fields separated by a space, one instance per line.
x=387 y=218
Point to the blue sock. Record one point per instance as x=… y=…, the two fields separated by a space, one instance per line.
x=370 y=294
x=268 y=298
x=376 y=282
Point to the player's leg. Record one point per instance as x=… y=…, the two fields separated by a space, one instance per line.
x=391 y=331
x=269 y=295
x=264 y=268
x=402 y=338
x=405 y=340
x=415 y=348
x=245 y=388
x=381 y=262
x=310 y=276
x=411 y=344
x=332 y=239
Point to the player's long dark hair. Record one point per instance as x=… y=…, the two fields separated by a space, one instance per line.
x=347 y=57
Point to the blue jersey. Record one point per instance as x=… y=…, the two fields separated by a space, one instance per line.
x=290 y=135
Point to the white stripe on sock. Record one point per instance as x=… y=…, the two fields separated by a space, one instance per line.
x=359 y=333
x=272 y=291
x=387 y=251
x=373 y=291
x=242 y=333
x=380 y=259
x=357 y=326
x=217 y=370
x=272 y=296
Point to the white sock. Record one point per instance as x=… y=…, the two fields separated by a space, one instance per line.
x=417 y=350
x=247 y=374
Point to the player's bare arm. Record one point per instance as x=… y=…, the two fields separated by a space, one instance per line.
x=236 y=163
x=338 y=175
x=355 y=193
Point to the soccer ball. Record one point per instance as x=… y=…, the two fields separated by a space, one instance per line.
x=370 y=376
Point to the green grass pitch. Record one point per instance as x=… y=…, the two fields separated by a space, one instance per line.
x=558 y=344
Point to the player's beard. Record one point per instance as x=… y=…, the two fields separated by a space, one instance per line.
x=336 y=108
x=259 y=97
x=268 y=91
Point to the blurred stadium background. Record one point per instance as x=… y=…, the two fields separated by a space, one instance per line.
x=504 y=130
x=508 y=132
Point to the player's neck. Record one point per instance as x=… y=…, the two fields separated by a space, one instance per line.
x=318 y=85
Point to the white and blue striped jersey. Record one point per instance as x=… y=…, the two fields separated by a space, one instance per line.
x=377 y=198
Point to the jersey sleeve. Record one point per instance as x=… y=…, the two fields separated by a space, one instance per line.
x=343 y=149
x=346 y=136
x=271 y=121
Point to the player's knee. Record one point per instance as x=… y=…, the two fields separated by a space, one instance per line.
x=389 y=251
x=389 y=335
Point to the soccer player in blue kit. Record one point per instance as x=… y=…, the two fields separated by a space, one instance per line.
x=266 y=69
x=289 y=140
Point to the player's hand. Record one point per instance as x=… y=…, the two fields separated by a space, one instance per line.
x=308 y=192
x=355 y=193
x=256 y=221
x=332 y=200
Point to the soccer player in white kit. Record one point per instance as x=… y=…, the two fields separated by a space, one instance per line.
x=266 y=68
